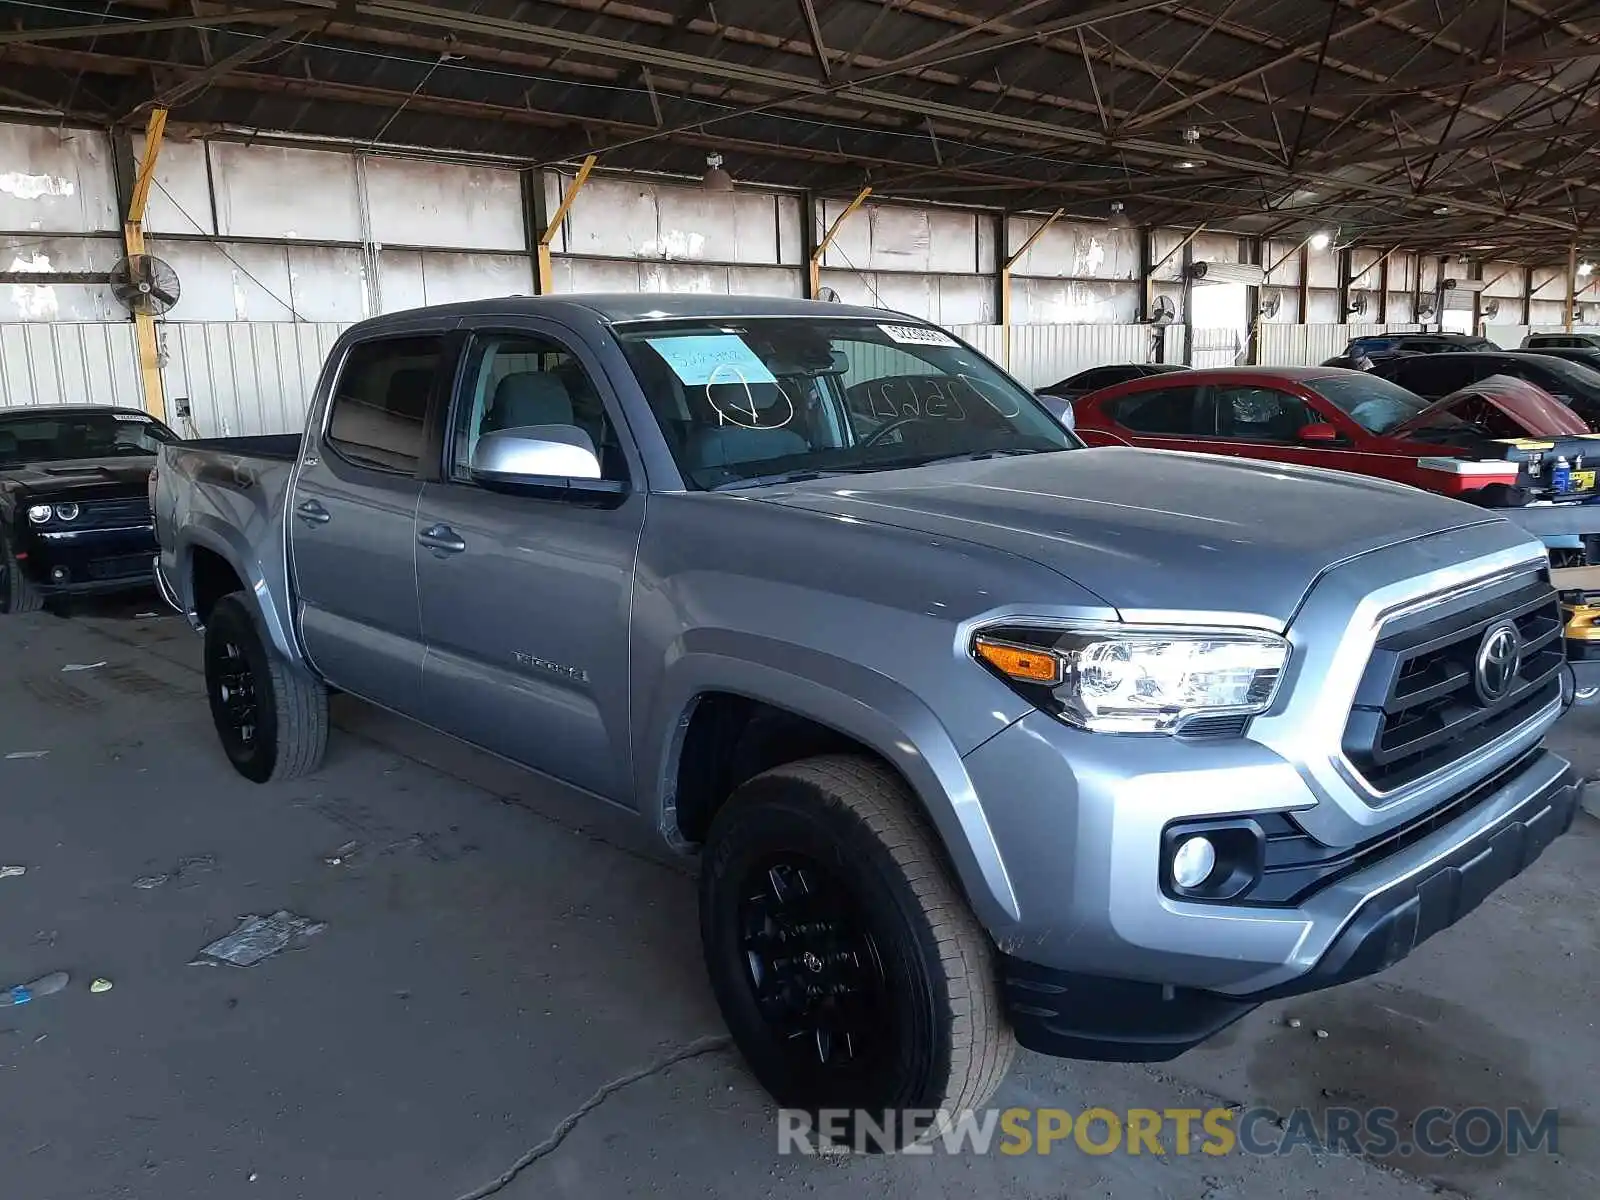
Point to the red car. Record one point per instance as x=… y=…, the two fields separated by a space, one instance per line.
x=1331 y=417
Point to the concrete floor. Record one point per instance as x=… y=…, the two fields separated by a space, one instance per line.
x=496 y=953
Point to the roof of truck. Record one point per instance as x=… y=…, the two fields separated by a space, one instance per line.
x=621 y=307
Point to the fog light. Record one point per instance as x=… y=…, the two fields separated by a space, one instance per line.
x=59 y=575
x=1193 y=862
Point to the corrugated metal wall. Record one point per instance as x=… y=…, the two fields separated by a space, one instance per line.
x=245 y=377
x=1509 y=337
x=1307 y=345
x=250 y=377
x=69 y=364
x=1043 y=354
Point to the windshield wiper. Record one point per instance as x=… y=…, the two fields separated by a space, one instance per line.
x=966 y=456
x=799 y=476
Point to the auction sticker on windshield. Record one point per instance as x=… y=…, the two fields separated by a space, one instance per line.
x=917 y=335
x=702 y=359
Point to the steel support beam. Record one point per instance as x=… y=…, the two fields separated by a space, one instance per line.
x=545 y=282
x=1006 y=263
x=144 y=325
x=1572 y=285
x=129 y=28
x=814 y=261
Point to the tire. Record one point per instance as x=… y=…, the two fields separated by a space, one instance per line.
x=17 y=593
x=921 y=1020
x=272 y=721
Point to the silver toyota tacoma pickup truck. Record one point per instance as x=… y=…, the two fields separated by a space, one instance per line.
x=983 y=737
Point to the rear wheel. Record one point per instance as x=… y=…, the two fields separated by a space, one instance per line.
x=17 y=593
x=850 y=971
x=272 y=721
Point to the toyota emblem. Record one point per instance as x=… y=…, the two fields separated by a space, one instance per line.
x=1499 y=660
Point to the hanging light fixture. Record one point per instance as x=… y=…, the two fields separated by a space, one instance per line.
x=1119 y=214
x=716 y=179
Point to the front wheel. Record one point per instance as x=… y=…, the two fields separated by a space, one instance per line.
x=272 y=721
x=17 y=593
x=850 y=971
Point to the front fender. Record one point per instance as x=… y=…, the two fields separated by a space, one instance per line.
x=862 y=704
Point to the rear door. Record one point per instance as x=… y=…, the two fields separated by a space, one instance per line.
x=351 y=528
x=1161 y=418
x=525 y=598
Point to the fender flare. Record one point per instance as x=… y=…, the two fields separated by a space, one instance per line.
x=859 y=703
x=206 y=532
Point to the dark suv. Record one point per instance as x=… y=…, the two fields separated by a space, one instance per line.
x=1434 y=376
x=1380 y=345
x=1561 y=341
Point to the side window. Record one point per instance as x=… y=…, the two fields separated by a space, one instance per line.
x=1434 y=377
x=1098 y=378
x=1260 y=414
x=518 y=380
x=1165 y=411
x=380 y=402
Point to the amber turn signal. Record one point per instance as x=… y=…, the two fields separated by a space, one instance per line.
x=1018 y=662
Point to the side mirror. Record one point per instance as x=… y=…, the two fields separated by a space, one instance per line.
x=1060 y=409
x=540 y=457
x=1318 y=432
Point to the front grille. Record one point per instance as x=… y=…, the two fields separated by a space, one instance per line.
x=112 y=514
x=1418 y=707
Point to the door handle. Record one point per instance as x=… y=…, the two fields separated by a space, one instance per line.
x=442 y=540
x=312 y=513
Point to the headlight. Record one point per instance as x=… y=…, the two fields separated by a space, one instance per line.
x=67 y=512
x=40 y=513
x=1111 y=679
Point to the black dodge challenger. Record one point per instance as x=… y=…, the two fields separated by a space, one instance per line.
x=74 y=501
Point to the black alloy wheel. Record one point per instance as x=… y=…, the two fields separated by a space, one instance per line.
x=814 y=969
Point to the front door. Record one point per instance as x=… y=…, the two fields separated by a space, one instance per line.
x=351 y=531
x=526 y=597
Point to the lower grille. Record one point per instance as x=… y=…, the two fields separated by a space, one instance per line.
x=120 y=567
x=1295 y=864
x=1421 y=705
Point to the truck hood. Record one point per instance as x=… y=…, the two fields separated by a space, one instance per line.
x=79 y=479
x=1148 y=530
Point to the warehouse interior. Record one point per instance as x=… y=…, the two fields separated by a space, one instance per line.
x=1045 y=183
x=502 y=994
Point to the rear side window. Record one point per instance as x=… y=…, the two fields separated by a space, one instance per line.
x=1433 y=376
x=381 y=400
x=1169 y=411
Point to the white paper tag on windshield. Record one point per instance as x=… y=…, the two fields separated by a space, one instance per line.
x=917 y=335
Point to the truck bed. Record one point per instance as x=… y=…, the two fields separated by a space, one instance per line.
x=280 y=447
x=229 y=494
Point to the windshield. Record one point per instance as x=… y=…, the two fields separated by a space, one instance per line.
x=1584 y=381
x=759 y=400
x=62 y=436
x=1375 y=404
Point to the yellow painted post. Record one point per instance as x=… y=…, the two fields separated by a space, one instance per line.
x=546 y=280
x=144 y=325
x=814 y=266
x=1005 y=283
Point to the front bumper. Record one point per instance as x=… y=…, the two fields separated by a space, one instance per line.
x=1078 y=1015
x=89 y=561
